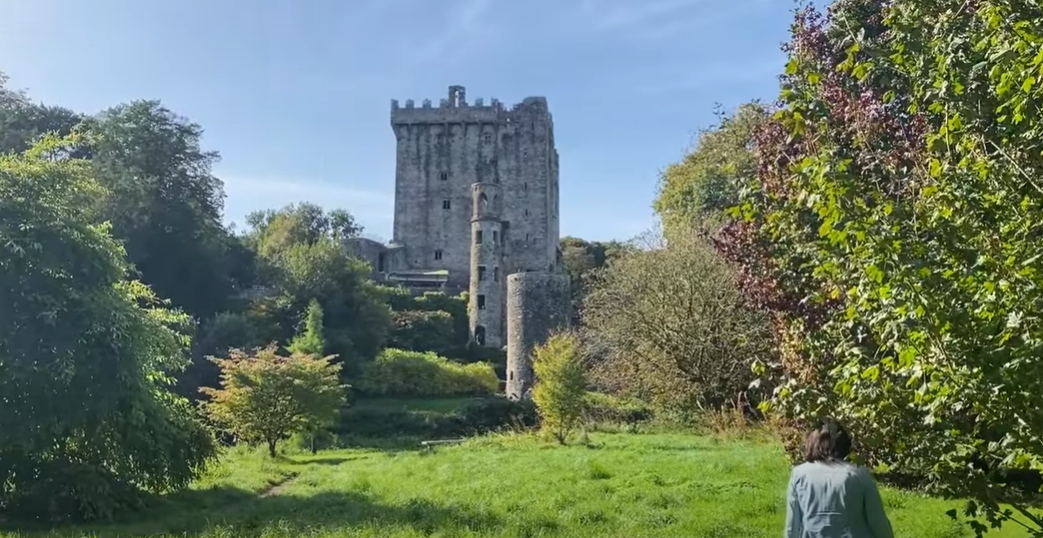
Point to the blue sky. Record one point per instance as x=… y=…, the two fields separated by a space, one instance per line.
x=295 y=94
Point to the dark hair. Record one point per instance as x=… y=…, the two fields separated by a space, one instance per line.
x=830 y=443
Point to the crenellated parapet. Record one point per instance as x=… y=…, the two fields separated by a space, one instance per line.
x=453 y=109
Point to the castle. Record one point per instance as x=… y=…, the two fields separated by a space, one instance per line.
x=476 y=200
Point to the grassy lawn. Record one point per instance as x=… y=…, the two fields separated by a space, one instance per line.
x=623 y=486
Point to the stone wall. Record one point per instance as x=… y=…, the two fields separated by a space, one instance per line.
x=537 y=305
x=443 y=151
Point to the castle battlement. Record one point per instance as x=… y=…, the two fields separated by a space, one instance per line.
x=456 y=109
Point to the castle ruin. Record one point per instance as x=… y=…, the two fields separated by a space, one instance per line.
x=476 y=200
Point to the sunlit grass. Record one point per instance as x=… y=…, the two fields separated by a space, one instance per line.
x=512 y=486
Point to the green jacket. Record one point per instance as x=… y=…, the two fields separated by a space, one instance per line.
x=834 y=500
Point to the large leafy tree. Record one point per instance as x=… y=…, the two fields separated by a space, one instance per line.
x=581 y=258
x=165 y=203
x=697 y=191
x=23 y=121
x=301 y=258
x=85 y=354
x=671 y=327
x=895 y=230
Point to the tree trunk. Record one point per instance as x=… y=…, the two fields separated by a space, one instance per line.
x=314 y=449
x=271 y=447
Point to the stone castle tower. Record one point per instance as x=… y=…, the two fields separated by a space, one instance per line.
x=476 y=200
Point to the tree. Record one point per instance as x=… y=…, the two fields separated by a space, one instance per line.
x=580 y=259
x=164 y=203
x=268 y=398
x=275 y=231
x=86 y=355
x=893 y=233
x=310 y=341
x=417 y=330
x=23 y=122
x=560 y=393
x=697 y=191
x=673 y=326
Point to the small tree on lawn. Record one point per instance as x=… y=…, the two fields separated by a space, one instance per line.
x=268 y=397
x=561 y=385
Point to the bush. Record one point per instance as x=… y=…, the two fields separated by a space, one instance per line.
x=409 y=373
x=418 y=330
x=605 y=408
x=476 y=417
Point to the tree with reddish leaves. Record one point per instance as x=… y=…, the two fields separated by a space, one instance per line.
x=894 y=230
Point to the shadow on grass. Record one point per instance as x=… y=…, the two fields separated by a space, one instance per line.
x=234 y=512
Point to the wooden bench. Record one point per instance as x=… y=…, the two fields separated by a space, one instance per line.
x=429 y=445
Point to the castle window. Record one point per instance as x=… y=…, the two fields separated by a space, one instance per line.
x=496 y=236
x=525 y=187
x=438 y=254
x=478 y=237
x=527 y=237
x=479 y=335
x=488 y=138
x=444 y=176
x=446 y=204
x=481 y=273
x=526 y=212
x=481 y=302
x=496 y=274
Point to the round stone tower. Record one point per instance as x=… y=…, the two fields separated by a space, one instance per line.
x=537 y=305
x=487 y=279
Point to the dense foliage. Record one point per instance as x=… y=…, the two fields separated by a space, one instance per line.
x=581 y=259
x=560 y=393
x=668 y=325
x=266 y=398
x=86 y=354
x=397 y=421
x=695 y=192
x=895 y=231
x=398 y=372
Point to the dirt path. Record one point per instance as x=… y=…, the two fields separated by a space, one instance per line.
x=279 y=486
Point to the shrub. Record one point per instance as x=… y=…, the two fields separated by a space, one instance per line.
x=476 y=417
x=267 y=398
x=560 y=392
x=418 y=330
x=605 y=408
x=408 y=373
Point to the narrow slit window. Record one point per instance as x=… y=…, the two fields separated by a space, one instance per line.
x=496 y=274
x=478 y=237
x=481 y=302
x=496 y=236
x=481 y=273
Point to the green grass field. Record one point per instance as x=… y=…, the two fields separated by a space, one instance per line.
x=620 y=486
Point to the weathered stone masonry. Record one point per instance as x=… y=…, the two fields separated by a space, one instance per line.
x=537 y=305
x=476 y=199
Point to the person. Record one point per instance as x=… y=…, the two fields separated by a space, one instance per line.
x=831 y=498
